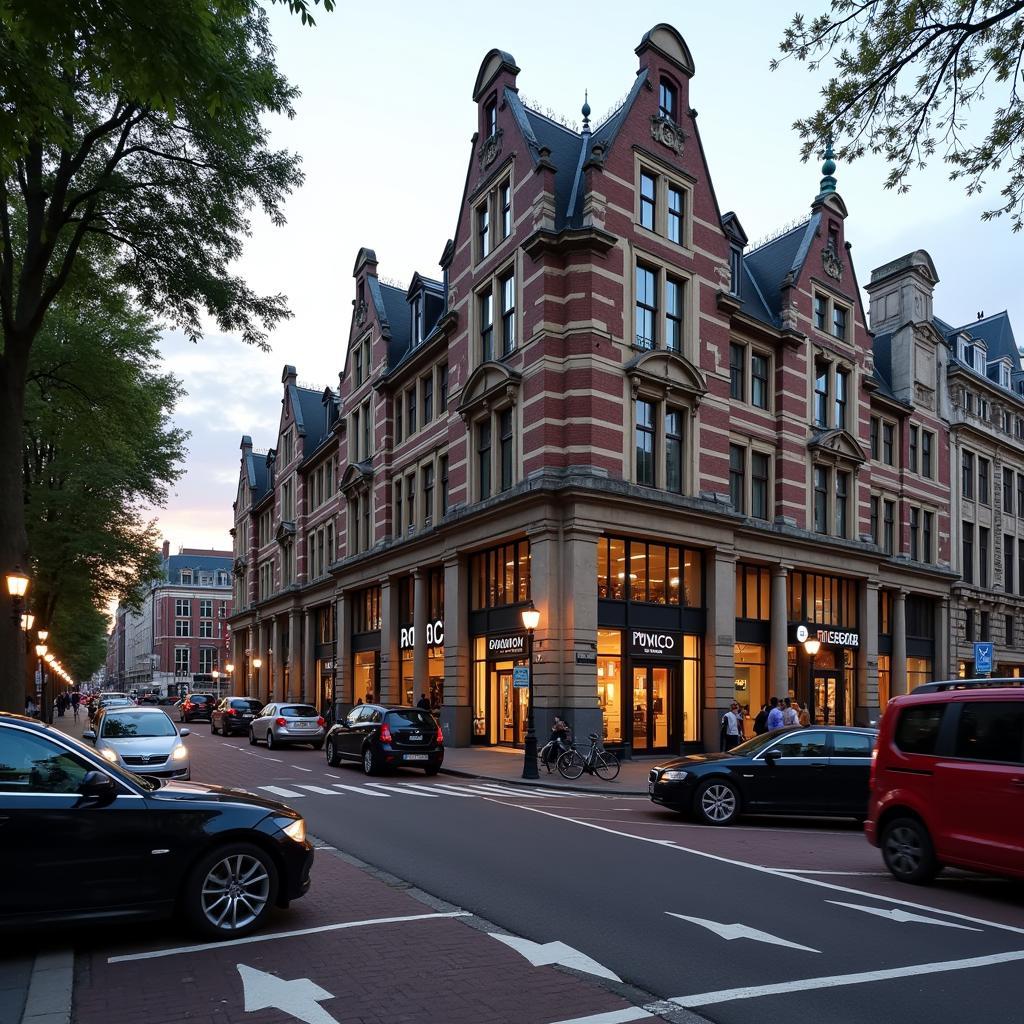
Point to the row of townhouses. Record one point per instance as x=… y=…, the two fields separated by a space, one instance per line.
x=686 y=453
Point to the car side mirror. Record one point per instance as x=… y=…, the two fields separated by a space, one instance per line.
x=97 y=787
x=184 y=732
x=772 y=756
x=89 y=735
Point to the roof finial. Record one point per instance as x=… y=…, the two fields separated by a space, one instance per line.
x=828 y=169
x=585 y=111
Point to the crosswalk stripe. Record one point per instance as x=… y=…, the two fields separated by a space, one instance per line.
x=318 y=789
x=433 y=790
x=453 y=791
x=361 y=790
x=394 y=789
x=281 y=791
x=498 y=791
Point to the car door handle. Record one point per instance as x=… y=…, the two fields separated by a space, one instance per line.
x=1015 y=782
x=819 y=764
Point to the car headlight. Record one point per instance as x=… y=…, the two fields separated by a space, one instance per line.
x=295 y=830
x=673 y=775
x=109 y=755
x=180 y=753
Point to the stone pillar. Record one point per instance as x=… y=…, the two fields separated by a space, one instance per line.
x=262 y=674
x=294 y=655
x=308 y=691
x=390 y=663
x=457 y=710
x=866 y=707
x=899 y=642
x=343 y=696
x=943 y=668
x=576 y=608
x=277 y=659
x=779 y=633
x=420 y=670
x=719 y=642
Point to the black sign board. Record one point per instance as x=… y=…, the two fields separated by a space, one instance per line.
x=655 y=643
x=512 y=645
x=586 y=658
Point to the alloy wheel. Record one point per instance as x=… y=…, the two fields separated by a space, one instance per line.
x=235 y=891
x=368 y=761
x=718 y=802
x=903 y=850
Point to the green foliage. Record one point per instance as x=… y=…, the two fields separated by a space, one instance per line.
x=916 y=78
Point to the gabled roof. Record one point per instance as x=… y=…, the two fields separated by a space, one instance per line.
x=771 y=263
x=197 y=563
x=997 y=333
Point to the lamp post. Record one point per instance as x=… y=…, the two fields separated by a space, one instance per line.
x=531 y=618
x=257 y=664
x=228 y=669
x=216 y=682
x=811 y=645
x=17 y=584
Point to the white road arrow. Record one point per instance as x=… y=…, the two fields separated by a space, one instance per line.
x=903 y=916
x=300 y=998
x=541 y=954
x=741 y=931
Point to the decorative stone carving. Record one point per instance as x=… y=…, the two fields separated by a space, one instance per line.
x=668 y=133
x=361 y=313
x=453 y=296
x=791 y=316
x=489 y=150
x=831 y=263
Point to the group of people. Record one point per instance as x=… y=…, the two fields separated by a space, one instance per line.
x=62 y=704
x=776 y=714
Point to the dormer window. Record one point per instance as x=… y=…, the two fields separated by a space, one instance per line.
x=186 y=577
x=491 y=118
x=833 y=238
x=417 y=320
x=735 y=264
x=667 y=100
x=1004 y=374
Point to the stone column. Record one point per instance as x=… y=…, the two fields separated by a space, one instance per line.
x=943 y=669
x=343 y=696
x=457 y=710
x=899 y=642
x=779 y=633
x=719 y=641
x=420 y=670
x=295 y=680
x=866 y=707
x=277 y=659
x=576 y=607
x=390 y=663
x=308 y=691
x=263 y=672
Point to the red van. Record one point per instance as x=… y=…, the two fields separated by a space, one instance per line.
x=947 y=780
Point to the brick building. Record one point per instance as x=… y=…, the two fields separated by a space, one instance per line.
x=674 y=447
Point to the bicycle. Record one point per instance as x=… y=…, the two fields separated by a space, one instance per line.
x=602 y=763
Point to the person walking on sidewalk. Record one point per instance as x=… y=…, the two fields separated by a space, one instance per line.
x=76 y=699
x=790 y=715
x=423 y=703
x=761 y=721
x=731 y=727
x=774 y=715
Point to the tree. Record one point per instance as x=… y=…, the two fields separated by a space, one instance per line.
x=99 y=449
x=136 y=128
x=912 y=78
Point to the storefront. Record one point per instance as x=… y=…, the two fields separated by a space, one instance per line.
x=432 y=687
x=366 y=635
x=499 y=705
x=324 y=653
x=649 y=644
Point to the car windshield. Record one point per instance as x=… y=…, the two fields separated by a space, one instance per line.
x=132 y=725
x=411 y=720
x=246 y=705
x=749 y=747
x=115 y=702
x=298 y=711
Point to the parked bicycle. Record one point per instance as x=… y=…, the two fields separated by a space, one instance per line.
x=598 y=761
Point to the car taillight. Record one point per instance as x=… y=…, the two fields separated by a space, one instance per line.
x=440 y=735
x=321 y=721
x=231 y=711
x=385 y=733
x=281 y=721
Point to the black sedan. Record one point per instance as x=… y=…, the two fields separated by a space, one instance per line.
x=196 y=706
x=812 y=771
x=134 y=847
x=381 y=738
x=234 y=715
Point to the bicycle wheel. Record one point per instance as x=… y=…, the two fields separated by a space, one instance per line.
x=606 y=765
x=571 y=764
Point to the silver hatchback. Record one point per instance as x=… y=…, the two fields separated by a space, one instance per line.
x=279 y=724
x=142 y=739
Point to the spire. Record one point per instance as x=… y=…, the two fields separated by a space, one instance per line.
x=828 y=170
x=585 y=111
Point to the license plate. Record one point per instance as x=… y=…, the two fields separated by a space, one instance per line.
x=417 y=757
x=305 y=725
x=416 y=737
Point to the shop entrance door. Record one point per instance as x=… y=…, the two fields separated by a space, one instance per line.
x=653 y=700
x=514 y=705
x=828 y=701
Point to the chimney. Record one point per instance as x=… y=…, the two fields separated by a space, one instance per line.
x=166 y=550
x=901 y=292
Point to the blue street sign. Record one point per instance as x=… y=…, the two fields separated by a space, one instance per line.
x=520 y=676
x=982 y=658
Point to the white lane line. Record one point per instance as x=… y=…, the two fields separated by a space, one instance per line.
x=836 y=981
x=861 y=874
x=298 y=769
x=156 y=953
x=280 y=791
x=361 y=790
x=433 y=790
x=820 y=883
x=902 y=916
x=453 y=791
x=612 y=1017
x=318 y=789
x=393 y=790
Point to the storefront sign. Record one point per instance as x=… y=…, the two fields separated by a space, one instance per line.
x=586 y=658
x=435 y=636
x=829 y=637
x=521 y=677
x=649 y=643
x=513 y=646
x=327 y=665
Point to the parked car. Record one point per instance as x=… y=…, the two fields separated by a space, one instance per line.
x=141 y=739
x=196 y=706
x=814 y=771
x=136 y=848
x=234 y=715
x=381 y=737
x=113 y=700
x=947 y=784
x=279 y=724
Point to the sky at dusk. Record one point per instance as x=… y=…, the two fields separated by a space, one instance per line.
x=384 y=126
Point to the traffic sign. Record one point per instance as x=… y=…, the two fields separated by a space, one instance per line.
x=982 y=658
x=520 y=676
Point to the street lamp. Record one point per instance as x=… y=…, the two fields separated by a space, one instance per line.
x=216 y=681
x=531 y=619
x=17 y=584
x=811 y=645
x=43 y=634
x=27 y=619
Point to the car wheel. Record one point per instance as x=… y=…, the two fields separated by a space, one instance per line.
x=717 y=802
x=369 y=765
x=319 y=745
x=270 y=739
x=332 y=755
x=252 y=738
x=908 y=852
x=230 y=891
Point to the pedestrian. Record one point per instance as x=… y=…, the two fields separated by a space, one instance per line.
x=730 y=727
x=761 y=721
x=423 y=702
x=790 y=715
x=774 y=715
x=76 y=699
x=805 y=715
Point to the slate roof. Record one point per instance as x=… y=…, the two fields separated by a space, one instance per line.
x=882 y=348
x=997 y=333
x=769 y=264
x=197 y=563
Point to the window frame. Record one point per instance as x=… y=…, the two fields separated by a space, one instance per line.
x=662 y=210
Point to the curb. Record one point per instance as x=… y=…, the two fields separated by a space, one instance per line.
x=460 y=773
x=50 y=989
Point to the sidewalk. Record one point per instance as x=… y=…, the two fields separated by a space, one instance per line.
x=504 y=764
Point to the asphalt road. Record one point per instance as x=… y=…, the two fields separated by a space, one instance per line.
x=761 y=923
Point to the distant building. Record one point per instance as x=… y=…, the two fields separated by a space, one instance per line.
x=181 y=627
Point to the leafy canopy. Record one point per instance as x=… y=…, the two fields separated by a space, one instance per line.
x=916 y=78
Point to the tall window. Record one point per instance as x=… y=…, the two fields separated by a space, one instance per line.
x=759 y=485
x=182 y=661
x=889 y=527
x=442 y=388
x=483 y=457
x=821 y=369
x=983 y=556
x=508 y=314
x=483 y=230
x=737 y=473
x=410 y=502
x=967 y=474
x=758 y=380
x=915 y=533
x=398 y=419
x=674 y=450
x=410 y=412
x=507 y=448
x=842 y=504
x=737 y=368
x=888 y=444
x=875 y=506
x=505 y=202
x=491 y=117
x=967 y=566
x=676 y=201
x=912 y=450
x=645 y=443
x=427 y=387
x=1008 y=491
x=875 y=426
x=927 y=536
x=667 y=100
x=428 y=494
x=984 y=478
x=842 y=386
x=820 y=499
x=927 y=444
x=646 y=307
x=820 y=311
x=487 y=326
x=443 y=470
x=1009 y=559
x=838 y=322
x=648 y=193
x=673 y=314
